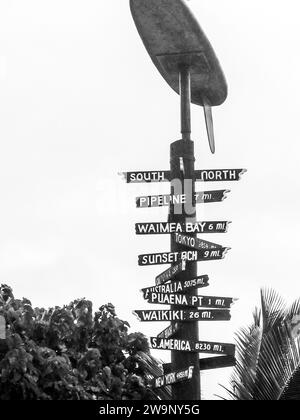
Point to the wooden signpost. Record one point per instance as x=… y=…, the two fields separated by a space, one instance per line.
x=177 y=286
x=188 y=256
x=173 y=377
x=170 y=273
x=190 y=300
x=208 y=175
x=184 y=57
x=189 y=227
x=190 y=315
x=204 y=347
x=166 y=200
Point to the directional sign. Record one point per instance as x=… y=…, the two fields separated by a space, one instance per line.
x=216 y=175
x=158 y=228
x=158 y=343
x=186 y=300
x=194 y=243
x=146 y=176
x=206 y=175
x=219 y=362
x=177 y=286
x=191 y=315
x=173 y=377
x=190 y=256
x=170 y=273
x=166 y=200
x=169 y=331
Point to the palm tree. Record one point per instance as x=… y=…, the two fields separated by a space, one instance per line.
x=268 y=353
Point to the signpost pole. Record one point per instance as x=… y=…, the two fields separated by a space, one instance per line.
x=182 y=168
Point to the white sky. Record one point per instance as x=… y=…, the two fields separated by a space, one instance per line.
x=81 y=101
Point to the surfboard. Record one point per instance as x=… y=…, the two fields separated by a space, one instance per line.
x=173 y=38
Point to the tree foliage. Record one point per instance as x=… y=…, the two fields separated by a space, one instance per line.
x=268 y=359
x=71 y=353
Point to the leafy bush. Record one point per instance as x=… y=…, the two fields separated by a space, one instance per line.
x=70 y=353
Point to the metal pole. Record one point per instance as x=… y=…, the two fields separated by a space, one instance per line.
x=182 y=168
x=185 y=98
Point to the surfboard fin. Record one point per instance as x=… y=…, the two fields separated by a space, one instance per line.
x=210 y=127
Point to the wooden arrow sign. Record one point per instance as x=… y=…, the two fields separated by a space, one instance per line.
x=217 y=363
x=146 y=176
x=170 y=331
x=206 y=347
x=208 y=175
x=210 y=363
x=217 y=175
x=158 y=228
x=170 y=273
x=166 y=200
x=177 y=286
x=190 y=315
x=191 y=301
x=175 y=257
x=173 y=378
x=194 y=243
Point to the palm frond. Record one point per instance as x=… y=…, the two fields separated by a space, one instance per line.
x=292 y=390
x=272 y=309
x=268 y=353
x=280 y=360
x=243 y=379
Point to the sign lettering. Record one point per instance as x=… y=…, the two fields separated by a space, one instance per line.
x=161 y=343
x=177 y=286
x=191 y=315
x=173 y=377
x=195 y=243
x=166 y=200
x=186 y=300
x=171 y=228
x=207 y=175
x=190 y=256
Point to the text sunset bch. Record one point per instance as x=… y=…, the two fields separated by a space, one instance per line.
x=190 y=256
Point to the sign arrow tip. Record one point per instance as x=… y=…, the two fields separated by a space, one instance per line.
x=123 y=175
x=136 y=315
x=226 y=192
x=242 y=173
x=226 y=250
